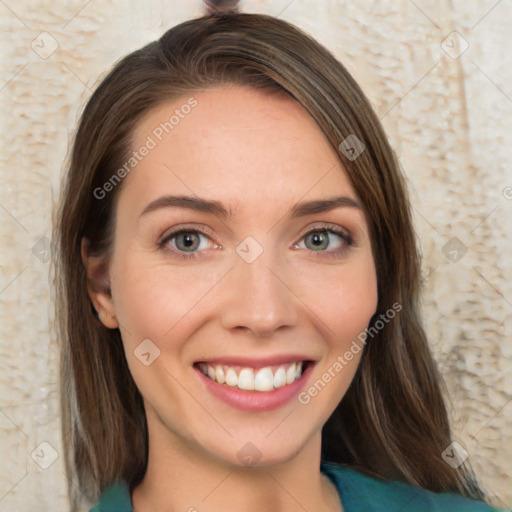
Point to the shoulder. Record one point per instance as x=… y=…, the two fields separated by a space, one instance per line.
x=363 y=493
x=359 y=493
x=115 y=498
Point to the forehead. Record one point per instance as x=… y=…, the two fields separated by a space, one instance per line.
x=237 y=144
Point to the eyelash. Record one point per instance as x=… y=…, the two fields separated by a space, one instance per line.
x=325 y=228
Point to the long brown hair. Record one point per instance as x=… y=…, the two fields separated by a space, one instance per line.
x=393 y=420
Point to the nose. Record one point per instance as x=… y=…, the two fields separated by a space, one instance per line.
x=258 y=297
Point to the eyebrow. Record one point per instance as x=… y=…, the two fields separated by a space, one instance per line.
x=217 y=208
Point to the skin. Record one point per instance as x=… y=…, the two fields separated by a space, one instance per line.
x=258 y=154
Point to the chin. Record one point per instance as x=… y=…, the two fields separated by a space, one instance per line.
x=260 y=452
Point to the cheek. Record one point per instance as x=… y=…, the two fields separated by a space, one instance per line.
x=344 y=299
x=158 y=301
x=344 y=304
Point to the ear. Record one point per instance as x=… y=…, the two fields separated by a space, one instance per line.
x=98 y=286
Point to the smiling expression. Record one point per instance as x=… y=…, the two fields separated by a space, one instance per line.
x=242 y=253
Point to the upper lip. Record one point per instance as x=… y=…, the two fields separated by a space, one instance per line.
x=255 y=362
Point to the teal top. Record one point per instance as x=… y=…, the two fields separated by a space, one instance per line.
x=358 y=493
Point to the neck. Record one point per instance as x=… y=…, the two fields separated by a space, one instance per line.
x=182 y=477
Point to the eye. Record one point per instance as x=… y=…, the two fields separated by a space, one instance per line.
x=185 y=243
x=326 y=239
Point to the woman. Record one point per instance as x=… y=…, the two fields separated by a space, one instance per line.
x=238 y=287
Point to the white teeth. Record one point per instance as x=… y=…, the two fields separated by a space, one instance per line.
x=249 y=380
x=290 y=374
x=246 y=379
x=231 y=378
x=264 y=380
x=219 y=374
x=280 y=378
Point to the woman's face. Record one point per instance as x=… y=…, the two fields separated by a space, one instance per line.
x=248 y=291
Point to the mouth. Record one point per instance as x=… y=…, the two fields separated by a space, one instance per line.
x=255 y=386
x=254 y=378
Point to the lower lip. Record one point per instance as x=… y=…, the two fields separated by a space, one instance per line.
x=256 y=400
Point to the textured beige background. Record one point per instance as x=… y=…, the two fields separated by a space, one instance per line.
x=448 y=116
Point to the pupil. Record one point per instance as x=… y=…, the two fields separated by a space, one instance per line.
x=188 y=240
x=319 y=239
